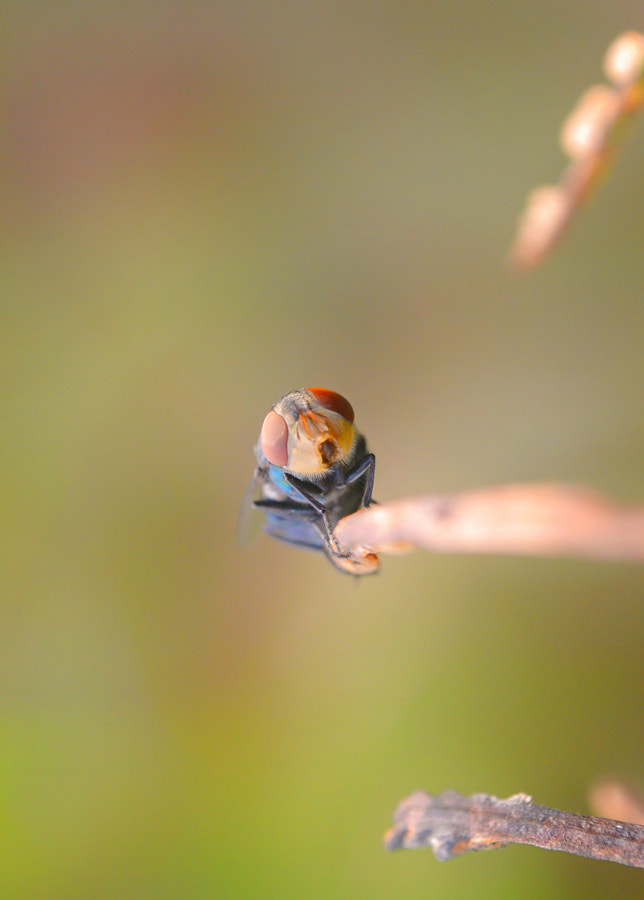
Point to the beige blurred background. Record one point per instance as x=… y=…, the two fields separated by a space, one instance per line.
x=204 y=206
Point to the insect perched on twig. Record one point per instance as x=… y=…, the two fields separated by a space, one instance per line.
x=313 y=468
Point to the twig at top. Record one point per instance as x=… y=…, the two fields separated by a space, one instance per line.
x=452 y=824
x=590 y=137
x=522 y=519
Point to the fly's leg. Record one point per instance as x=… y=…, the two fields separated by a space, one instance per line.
x=284 y=505
x=368 y=465
x=318 y=506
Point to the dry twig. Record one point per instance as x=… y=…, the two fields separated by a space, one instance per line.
x=452 y=824
x=590 y=137
x=522 y=519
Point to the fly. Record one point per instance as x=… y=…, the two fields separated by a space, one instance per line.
x=313 y=468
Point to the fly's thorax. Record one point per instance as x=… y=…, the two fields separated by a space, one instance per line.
x=340 y=498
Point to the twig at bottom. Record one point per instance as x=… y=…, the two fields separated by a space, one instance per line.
x=452 y=824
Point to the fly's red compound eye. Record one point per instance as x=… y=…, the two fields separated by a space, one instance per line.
x=334 y=402
x=273 y=439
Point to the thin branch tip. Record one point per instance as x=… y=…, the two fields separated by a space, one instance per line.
x=540 y=519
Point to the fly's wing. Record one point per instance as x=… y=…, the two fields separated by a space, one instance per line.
x=266 y=507
x=249 y=521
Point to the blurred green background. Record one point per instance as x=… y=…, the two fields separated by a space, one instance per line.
x=209 y=204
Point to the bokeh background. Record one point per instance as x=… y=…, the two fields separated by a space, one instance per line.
x=206 y=205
